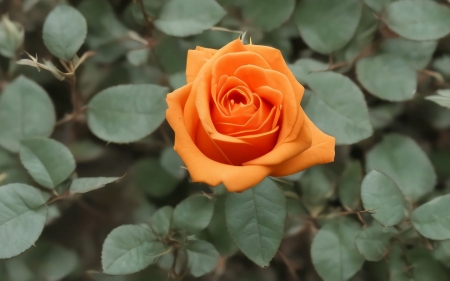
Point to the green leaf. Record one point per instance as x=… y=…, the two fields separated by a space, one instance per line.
x=350 y=184
x=418 y=19
x=129 y=249
x=267 y=14
x=25 y=111
x=337 y=107
x=150 y=176
x=172 y=163
x=373 y=241
x=431 y=219
x=402 y=160
x=202 y=257
x=255 y=219
x=64 y=31
x=138 y=57
x=83 y=185
x=193 y=214
x=296 y=216
x=218 y=231
x=23 y=214
x=177 y=80
x=424 y=267
x=161 y=221
x=417 y=53
x=127 y=113
x=11 y=36
x=11 y=171
x=387 y=76
x=316 y=189
x=397 y=265
x=183 y=18
x=377 y=5
x=333 y=251
x=383 y=115
x=442 y=98
x=327 y=25
x=302 y=67
x=86 y=150
x=383 y=198
x=442 y=252
x=442 y=64
x=56 y=262
x=49 y=162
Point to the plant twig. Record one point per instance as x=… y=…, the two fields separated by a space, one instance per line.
x=289 y=266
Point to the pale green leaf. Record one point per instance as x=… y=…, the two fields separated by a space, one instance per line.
x=193 y=214
x=127 y=113
x=255 y=220
x=172 y=163
x=377 y=5
x=417 y=53
x=22 y=218
x=316 y=189
x=64 y=31
x=202 y=257
x=442 y=252
x=442 y=64
x=350 y=184
x=83 y=185
x=302 y=67
x=161 y=221
x=432 y=218
x=397 y=265
x=25 y=111
x=442 y=98
x=424 y=267
x=267 y=14
x=373 y=241
x=138 y=57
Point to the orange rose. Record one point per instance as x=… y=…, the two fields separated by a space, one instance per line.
x=239 y=120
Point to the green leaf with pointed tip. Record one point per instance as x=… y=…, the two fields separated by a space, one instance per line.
x=401 y=159
x=337 y=106
x=302 y=67
x=255 y=220
x=382 y=197
x=333 y=251
x=387 y=76
x=25 y=111
x=193 y=214
x=129 y=249
x=350 y=185
x=127 y=113
x=373 y=241
x=49 y=162
x=417 y=53
x=161 y=221
x=183 y=18
x=64 y=31
x=83 y=185
x=418 y=19
x=23 y=214
x=431 y=219
x=202 y=257
x=442 y=98
x=267 y=14
x=327 y=25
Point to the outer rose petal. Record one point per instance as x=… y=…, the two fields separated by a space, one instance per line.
x=201 y=168
x=320 y=152
x=196 y=59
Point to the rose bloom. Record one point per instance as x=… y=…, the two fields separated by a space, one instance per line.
x=239 y=119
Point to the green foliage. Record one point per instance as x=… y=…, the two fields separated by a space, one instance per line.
x=442 y=98
x=83 y=185
x=350 y=184
x=202 y=256
x=193 y=214
x=373 y=241
x=257 y=11
x=431 y=219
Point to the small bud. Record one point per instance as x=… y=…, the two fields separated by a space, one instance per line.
x=11 y=36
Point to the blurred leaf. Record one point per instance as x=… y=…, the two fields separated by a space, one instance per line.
x=417 y=53
x=373 y=241
x=23 y=213
x=442 y=98
x=255 y=219
x=218 y=230
x=83 y=185
x=333 y=251
x=397 y=265
x=267 y=14
x=129 y=249
x=171 y=55
x=424 y=267
x=202 y=257
x=387 y=76
x=151 y=7
x=11 y=36
x=138 y=57
x=11 y=169
x=350 y=185
x=431 y=219
x=326 y=36
x=442 y=252
x=127 y=113
x=383 y=198
x=49 y=162
x=64 y=31
x=193 y=214
x=161 y=221
x=172 y=163
x=418 y=19
x=442 y=64
x=149 y=175
x=296 y=216
x=26 y=111
x=401 y=159
x=86 y=150
x=337 y=106
x=55 y=262
x=363 y=37
x=182 y=18
x=377 y=5
x=302 y=67
x=177 y=80
x=383 y=115
x=316 y=189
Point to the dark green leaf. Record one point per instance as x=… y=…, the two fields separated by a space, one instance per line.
x=161 y=221
x=172 y=163
x=373 y=241
x=202 y=257
x=381 y=116
x=417 y=53
x=350 y=185
x=424 y=267
x=442 y=252
x=316 y=189
x=267 y=14
x=193 y=214
x=83 y=185
x=218 y=231
x=302 y=67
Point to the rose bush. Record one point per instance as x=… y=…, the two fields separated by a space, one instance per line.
x=239 y=118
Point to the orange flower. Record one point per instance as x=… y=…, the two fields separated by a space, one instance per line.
x=239 y=120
